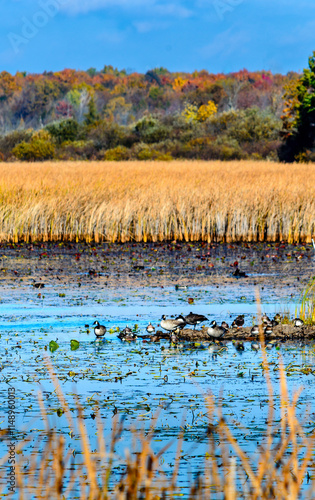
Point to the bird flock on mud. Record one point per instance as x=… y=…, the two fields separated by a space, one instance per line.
x=215 y=332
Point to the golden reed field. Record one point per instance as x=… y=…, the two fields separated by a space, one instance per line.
x=156 y=201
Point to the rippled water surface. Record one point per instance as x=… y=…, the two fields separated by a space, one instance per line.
x=140 y=379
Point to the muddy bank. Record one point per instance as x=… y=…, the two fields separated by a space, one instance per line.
x=281 y=333
x=162 y=265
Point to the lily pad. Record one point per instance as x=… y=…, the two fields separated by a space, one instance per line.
x=75 y=344
x=53 y=346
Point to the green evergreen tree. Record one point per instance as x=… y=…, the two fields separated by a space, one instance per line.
x=92 y=115
x=299 y=117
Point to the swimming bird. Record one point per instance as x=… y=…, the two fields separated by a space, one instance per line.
x=150 y=328
x=126 y=331
x=215 y=331
x=298 y=322
x=195 y=319
x=239 y=346
x=255 y=345
x=225 y=325
x=255 y=330
x=239 y=274
x=238 y=322
x=127 y=336
x=99 y=330
x=170 y=325
x=181 y=287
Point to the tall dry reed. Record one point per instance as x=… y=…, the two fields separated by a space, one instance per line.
x=152 y=201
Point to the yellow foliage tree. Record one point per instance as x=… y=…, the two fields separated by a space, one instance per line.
x=192 y=113
x=179 y=83
x=206 y=110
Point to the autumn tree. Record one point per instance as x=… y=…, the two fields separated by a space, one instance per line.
x=299 y=117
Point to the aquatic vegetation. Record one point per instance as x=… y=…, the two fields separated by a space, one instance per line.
x=135 y=201
x=278 y=469
x=306 y=310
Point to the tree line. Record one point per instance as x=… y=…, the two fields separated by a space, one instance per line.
x=159 y=115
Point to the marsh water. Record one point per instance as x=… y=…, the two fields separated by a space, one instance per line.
x=56 y=292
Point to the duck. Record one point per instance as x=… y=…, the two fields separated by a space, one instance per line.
x=225 y=325
x=128 y=336
x=255 y=345
x=181 y=287
x=255 y=330
x=99 y=330
x=215 y=331
x=239 y=274
x=173 y=336
x=171 y=325
x=150 y=328
x=277 y=318
x=194 y=319
x=238 y=322
x=126 y=331
x=268 y=330
x=298 y=322
x=266 y=320
x=239 y=346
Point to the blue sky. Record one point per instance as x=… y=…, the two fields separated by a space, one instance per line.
x=217 y=35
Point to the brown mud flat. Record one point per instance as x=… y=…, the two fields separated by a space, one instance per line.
x=286 y=268
x=281 y=332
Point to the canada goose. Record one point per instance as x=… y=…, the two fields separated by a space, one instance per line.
x=171 y=325
x=181 y=319
x=298 y=322
x=99 y=330
x=215 y=331
x=195 y=319
x=238 y=322
x=150 y=328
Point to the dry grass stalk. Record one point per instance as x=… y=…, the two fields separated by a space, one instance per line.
x=153 y=201
x=279 y=471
